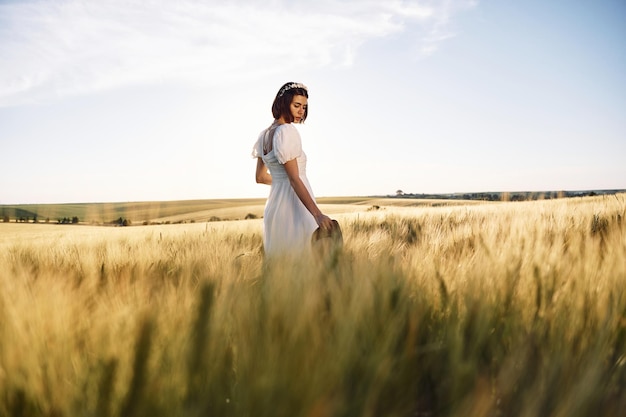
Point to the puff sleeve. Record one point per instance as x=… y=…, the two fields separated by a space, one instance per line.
x=287 y=143
x=257 y=150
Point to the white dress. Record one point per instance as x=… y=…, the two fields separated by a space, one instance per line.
x=288 y=225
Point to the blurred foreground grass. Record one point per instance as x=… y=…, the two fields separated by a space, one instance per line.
x=511 y=309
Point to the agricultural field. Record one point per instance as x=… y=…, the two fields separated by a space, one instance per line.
x=186 y=211
x=465 y=309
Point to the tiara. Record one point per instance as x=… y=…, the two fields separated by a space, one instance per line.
x=291 y=86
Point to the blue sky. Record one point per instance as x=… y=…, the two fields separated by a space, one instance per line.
x=140 y=100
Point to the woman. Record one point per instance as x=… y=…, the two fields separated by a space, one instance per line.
x=291 y=213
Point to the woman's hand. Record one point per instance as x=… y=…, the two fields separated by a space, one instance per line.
x=324 y=222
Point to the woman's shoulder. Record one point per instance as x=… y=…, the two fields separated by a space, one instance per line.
x=284 y=128
x=288 y=129
x=288 y=133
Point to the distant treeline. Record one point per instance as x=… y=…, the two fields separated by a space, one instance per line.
x=507 y=196
x=34 y=219
x=17 y=214
x=22 y=216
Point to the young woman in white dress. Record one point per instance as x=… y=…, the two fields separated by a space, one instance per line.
x=291 y=213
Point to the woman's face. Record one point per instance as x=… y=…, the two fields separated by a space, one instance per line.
x=298 y=107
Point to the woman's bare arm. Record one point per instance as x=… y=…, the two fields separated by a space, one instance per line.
x=303 y=194
x=262 y=176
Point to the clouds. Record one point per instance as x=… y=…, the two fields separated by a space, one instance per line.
x=143 y=98
x=53 y=49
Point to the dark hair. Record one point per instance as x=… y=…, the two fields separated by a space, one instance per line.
x=284 y=97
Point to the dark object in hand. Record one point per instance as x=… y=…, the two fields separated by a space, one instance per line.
x=326 y=242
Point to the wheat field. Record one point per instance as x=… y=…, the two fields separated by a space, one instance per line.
x=501 y=309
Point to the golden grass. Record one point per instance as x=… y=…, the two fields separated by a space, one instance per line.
x=512 y=309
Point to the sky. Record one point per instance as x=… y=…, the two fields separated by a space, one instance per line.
x=151 y=100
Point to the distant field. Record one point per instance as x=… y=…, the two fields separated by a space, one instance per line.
x=137 y=212
x=191 y=210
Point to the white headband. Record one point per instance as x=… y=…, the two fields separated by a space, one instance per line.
x=291 y=86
